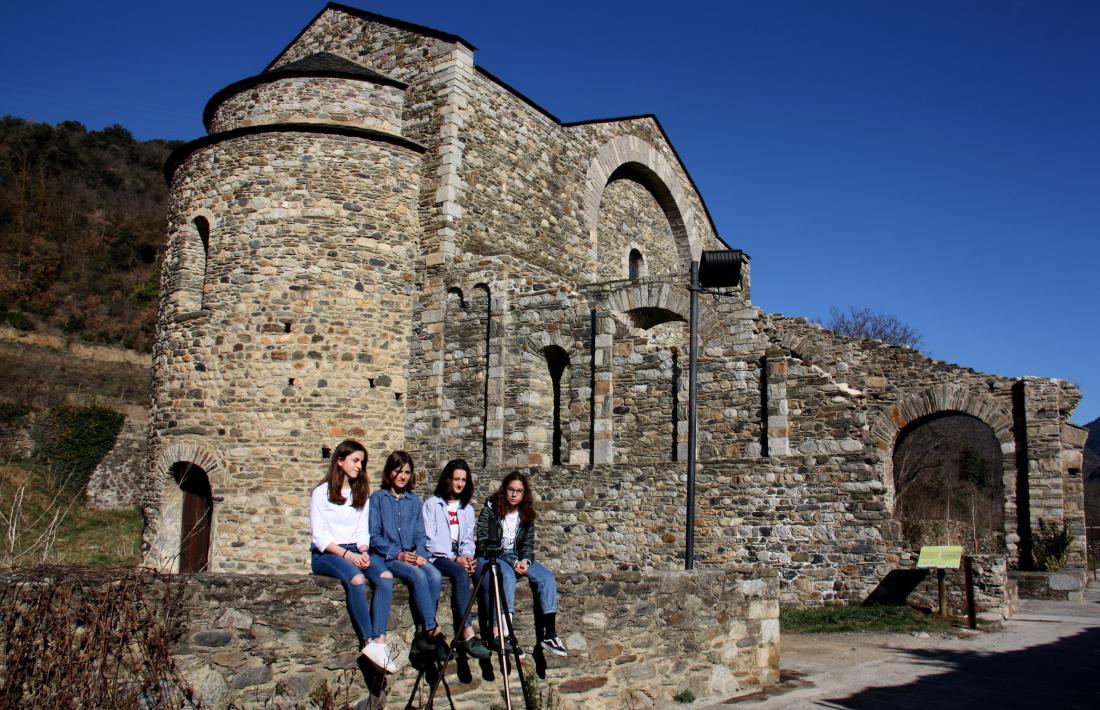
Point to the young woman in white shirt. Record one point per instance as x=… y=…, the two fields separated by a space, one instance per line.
x=338 y=516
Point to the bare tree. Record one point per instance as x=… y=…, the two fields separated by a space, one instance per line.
x=865 y=323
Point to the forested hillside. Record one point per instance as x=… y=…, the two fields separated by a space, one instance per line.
x=81 y=230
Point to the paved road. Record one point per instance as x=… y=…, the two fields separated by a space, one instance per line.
x=1047 y=656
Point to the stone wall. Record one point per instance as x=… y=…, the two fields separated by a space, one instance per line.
x=302 y=335
x=636 y=639
x=120 y=480
x=344 y=102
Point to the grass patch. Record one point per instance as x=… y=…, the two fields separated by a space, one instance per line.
x=45 y=525
x=827 y=619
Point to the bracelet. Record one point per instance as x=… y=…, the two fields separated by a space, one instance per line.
x=345 y=554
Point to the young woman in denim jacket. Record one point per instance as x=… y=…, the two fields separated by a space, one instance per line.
x=338 y=517
x=509 y=518
x=397 y=543
x=449 y=524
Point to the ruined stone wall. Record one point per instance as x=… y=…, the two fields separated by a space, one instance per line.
x=319 y=100
x=748 y=511
x=649 y=393
x=120 y=481
x=635 y=638
x=302 y=338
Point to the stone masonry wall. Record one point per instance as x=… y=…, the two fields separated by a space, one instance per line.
x=635 y=639
x=303 y=335
x=322 y=100
x=630 y=217
x=120 y=480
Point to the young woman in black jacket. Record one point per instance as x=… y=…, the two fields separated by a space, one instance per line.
x=508 y=518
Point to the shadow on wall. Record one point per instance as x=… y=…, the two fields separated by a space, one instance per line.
x=1054 y=675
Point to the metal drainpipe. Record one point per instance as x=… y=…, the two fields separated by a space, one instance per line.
x=689 y=552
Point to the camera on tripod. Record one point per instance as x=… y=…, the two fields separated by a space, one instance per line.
x=492 y=550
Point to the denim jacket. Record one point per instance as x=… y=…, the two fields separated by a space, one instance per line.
x=395 y=524
x=438 y=528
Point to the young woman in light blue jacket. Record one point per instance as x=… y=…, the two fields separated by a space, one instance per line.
x=449 y=524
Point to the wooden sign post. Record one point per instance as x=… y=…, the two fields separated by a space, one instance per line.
x=941 y=558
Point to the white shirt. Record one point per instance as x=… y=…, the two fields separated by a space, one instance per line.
x=332 y=522
x=452 y=519
x=511 y=522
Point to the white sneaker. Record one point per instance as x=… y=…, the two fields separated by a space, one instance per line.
x=379 y=654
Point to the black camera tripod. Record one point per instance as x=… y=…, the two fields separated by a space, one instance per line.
x=506 y=636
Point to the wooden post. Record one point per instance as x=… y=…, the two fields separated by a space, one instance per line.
x=968 y=580
x=940 y=575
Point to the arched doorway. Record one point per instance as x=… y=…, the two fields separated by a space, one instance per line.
x=197 y=517
x=948 y=483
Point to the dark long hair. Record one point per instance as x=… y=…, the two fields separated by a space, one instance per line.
x=394 y=461
x=360 y=487
x=527 y=512
x=443 y=487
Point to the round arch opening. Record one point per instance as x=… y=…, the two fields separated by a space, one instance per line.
x=948 y=483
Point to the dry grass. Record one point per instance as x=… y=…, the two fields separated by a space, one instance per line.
x=48 y=378
x=43 y=524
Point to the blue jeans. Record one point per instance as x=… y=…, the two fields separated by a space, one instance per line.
x=424 y=585
x=542 y=582
x=369 y=622
x=460 y=588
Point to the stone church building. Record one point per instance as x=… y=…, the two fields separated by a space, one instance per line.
x=380 y=239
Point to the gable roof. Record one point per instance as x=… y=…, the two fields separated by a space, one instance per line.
x=380 y=19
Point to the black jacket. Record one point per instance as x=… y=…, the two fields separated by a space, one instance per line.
x=491 y=528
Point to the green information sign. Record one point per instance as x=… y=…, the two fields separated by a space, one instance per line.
x=940 y=556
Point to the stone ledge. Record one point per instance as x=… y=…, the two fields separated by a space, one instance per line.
x=631 y=634
x=1066 y=584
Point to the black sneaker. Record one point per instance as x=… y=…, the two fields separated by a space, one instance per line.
x=509 y=647
x=555 y=646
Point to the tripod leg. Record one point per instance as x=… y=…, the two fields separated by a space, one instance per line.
x=500 y=614
x=461 y=625
x=511 y=636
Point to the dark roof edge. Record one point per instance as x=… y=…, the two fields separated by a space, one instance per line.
x=180 y=154
x=269 y=76
x=590 y=121
x=672 y=147
x=518 y=94
x=373 y=17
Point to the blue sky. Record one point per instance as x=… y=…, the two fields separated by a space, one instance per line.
x=935 y=160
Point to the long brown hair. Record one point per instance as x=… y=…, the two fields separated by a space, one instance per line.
x=394 y=461
x=527 y=512
x=360 y=487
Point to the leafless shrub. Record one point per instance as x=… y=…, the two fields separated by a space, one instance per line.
x=865 y=323
x=78 y=637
